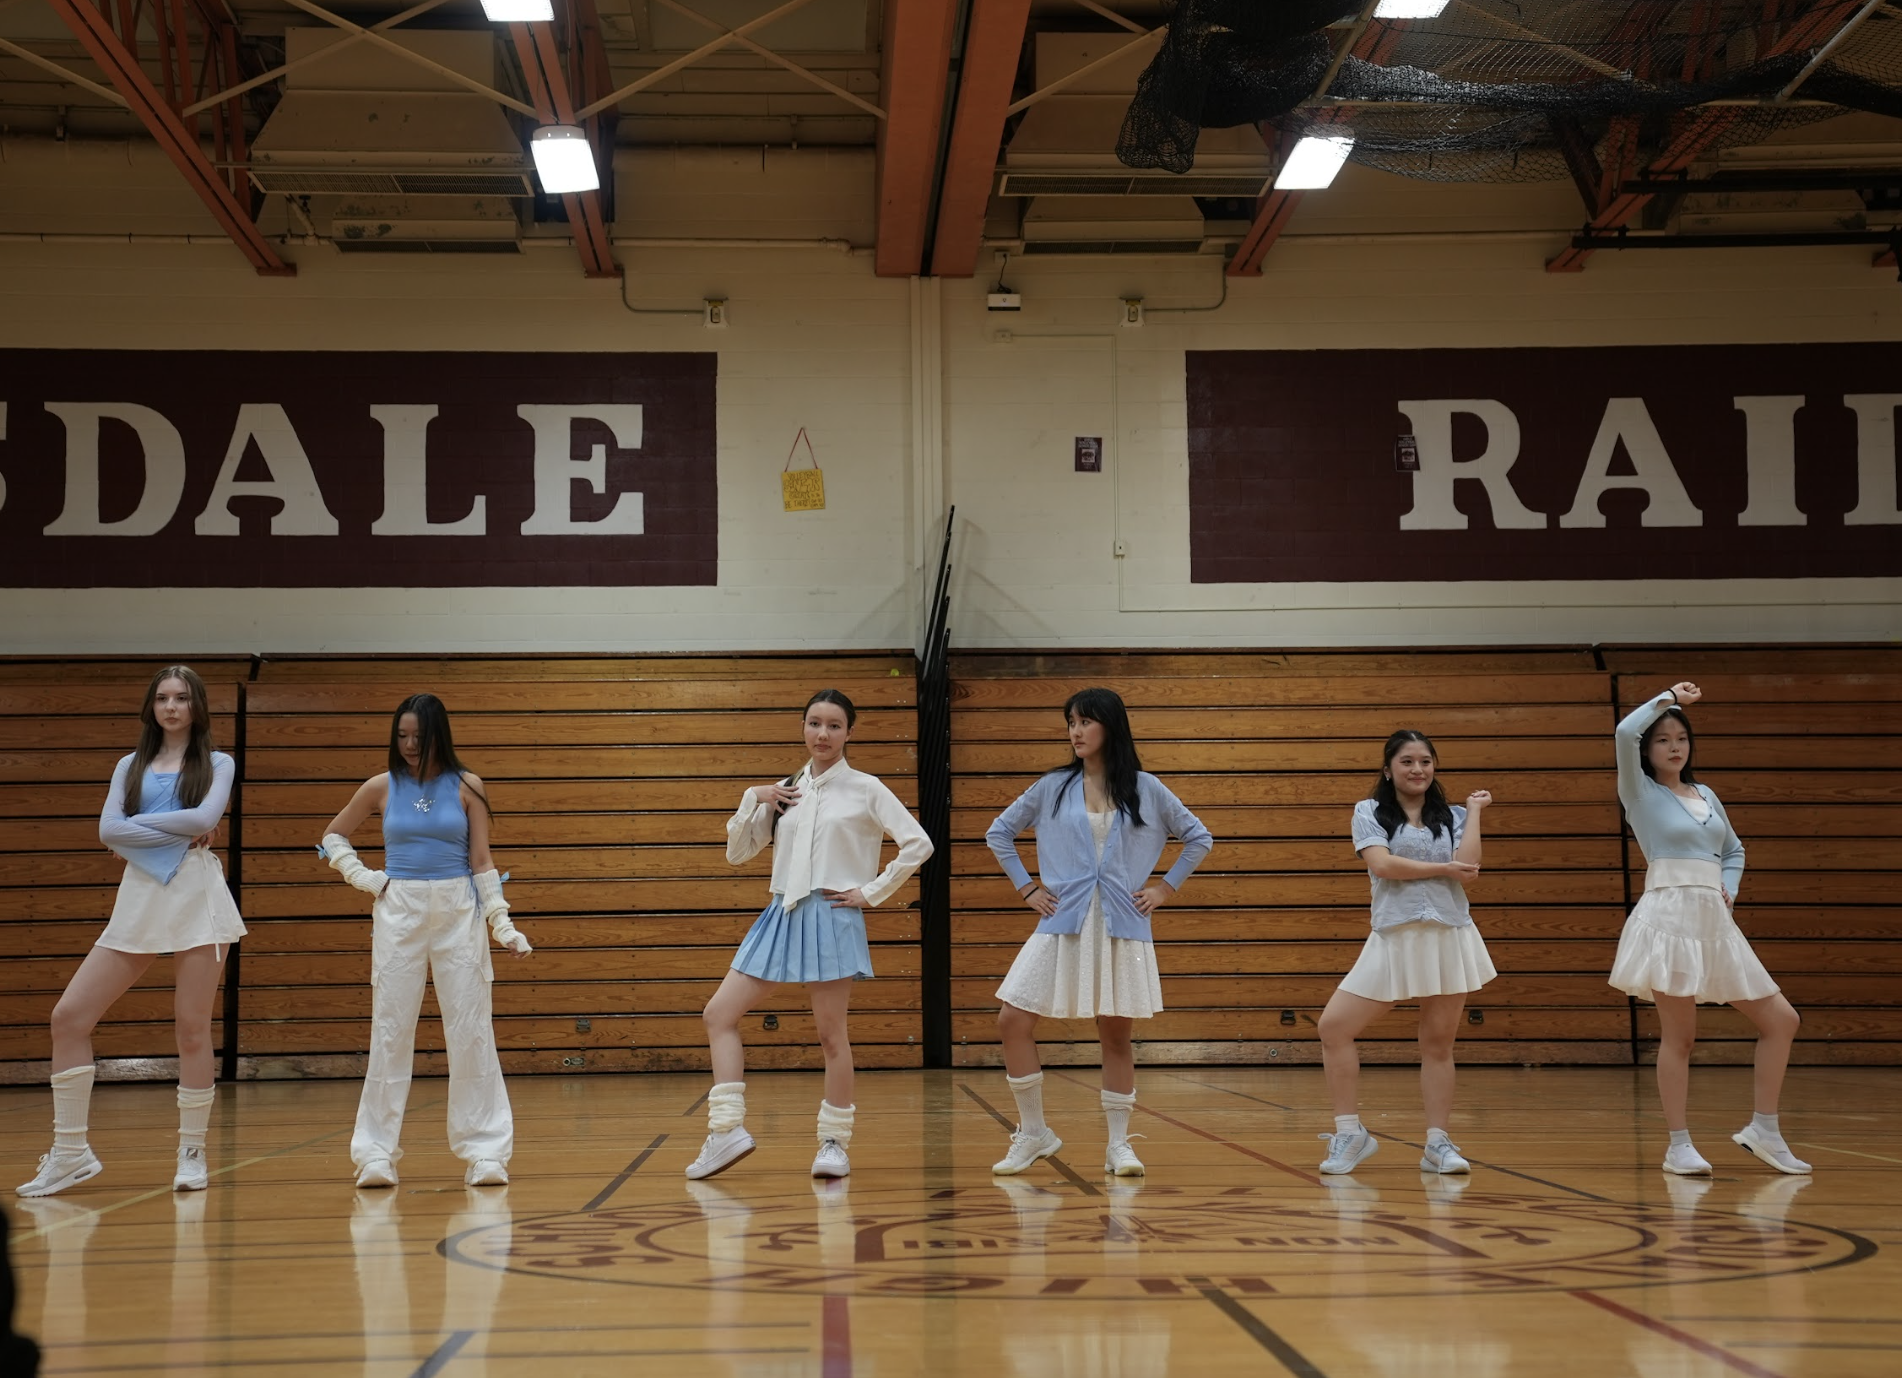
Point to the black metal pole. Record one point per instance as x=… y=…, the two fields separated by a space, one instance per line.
x=934 y=813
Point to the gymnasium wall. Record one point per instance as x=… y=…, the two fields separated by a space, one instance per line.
x=913 y=402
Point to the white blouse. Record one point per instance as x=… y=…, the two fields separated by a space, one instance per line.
x=830 y=838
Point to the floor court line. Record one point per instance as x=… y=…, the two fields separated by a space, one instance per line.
x=1831 y=1148
x=1076 y=1179
x=444 y=1352
x=1258 y=1330
x=601 y=1197
x=1710 y=1351
x=1209 y=1085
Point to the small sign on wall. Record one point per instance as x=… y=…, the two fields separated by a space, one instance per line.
x=1089 y=454
x=802 y=490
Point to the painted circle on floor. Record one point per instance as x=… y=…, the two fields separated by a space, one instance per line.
x=1139 y=1242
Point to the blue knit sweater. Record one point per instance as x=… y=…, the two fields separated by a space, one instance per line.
x=1661 y=823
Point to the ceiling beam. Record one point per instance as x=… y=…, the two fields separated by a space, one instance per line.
x=992 y=46
x=91 y=28
x=554 y=102
x=914 y=70
x=1810 y=29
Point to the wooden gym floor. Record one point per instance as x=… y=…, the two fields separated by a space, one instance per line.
x=1567 y=1252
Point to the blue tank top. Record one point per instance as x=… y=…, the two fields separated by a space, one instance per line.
x=425 y=831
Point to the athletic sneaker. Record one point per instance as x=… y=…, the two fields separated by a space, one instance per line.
x=194 y=1174
x=720 y=1152
x=486 y=1172
x=831 y=1160
x=1026 y=1149
x=1442 y=1155
x=1121 y=1161
x=1770 y=1148
x=379 y=1173
x=1345 y=1152
x=60 y=1169
x=1685 y=1161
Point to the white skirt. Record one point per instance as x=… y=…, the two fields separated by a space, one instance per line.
x=1681 y=940
x=1420 y=959
x=1083 y=975
x=194 y=910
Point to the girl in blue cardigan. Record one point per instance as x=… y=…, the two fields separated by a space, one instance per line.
x=1101 y=825
x=1681 y=947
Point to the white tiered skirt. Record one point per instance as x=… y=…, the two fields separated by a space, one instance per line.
x=1420 y=959
x=1681 y=940
x=1083 y=975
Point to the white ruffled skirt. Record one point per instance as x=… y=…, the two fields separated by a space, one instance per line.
x=1420 y=959
x=1681 y=940
x=1083 y=975
x=194 y=910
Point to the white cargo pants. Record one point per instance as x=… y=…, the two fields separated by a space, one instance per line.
x=422 y=928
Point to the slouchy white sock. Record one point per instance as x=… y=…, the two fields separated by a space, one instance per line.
x=835 y=1122
x=1116 y=1108
x=72 y=1096
x=726 y=1107
x=1028 y=1092
x=194 y=1114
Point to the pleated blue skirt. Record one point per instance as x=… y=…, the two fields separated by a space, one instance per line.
x=814 y=942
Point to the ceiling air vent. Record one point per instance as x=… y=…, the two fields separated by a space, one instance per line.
x=428 y=246
x=321 y=182
x=1244 y=184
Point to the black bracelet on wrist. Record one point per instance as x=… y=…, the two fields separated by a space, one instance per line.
x=1673 y=694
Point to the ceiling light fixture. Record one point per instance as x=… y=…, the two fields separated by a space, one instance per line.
x=1314 y=161
x=528 y=11
x=1409 y=9
x=564 y=160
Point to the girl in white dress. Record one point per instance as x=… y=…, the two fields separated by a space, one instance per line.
x=1421 y=852
x=165 y=803
x=1101 y=826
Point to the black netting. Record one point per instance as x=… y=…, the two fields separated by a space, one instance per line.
x=1482 y=92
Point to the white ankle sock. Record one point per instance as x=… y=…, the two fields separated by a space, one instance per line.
x=1347 y=1124
x=1767 y=1124
x=194 y=1114
x=1028 y=1092
x=835 y=1122
x=1680 y=1138
x=72 y=1096
x=726 y=1107
x=1116 y=1108
x=1437 y=1136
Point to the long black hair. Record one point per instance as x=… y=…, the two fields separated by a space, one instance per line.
x=1690 y=745
x=1435 y=812
x=436 y=745
x=1121 y=765
x=851 y=721
x=194 y=776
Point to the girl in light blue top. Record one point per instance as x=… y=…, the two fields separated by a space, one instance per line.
x=165 y=802
x=1101 y=826
x=1420 y=852
x=1681 y=946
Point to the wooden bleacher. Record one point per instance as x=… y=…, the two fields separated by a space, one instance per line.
x=612 y=778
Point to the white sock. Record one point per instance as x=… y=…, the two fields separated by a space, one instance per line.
x=726 y=1107
x=72 y=1096
x=835 y=1122
x=194 y=1114
x=1029 y=1094
x=1347 y=1124
x=1680 y=1138
x=1116 y=1108
x=1767 y=1125
x=1436 y=1136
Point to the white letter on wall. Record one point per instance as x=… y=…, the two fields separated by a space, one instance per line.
x=291 y=480
x=1433 y=509
x=1626 y=419
x=1875 y=458
x=406 y=479
x=1770 y=461
x=556 y=471
x=164 y=452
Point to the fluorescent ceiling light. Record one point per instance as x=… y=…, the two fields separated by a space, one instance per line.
x=539 y=11
x=563 y=159
x=1402 y=9
x=1314 y=161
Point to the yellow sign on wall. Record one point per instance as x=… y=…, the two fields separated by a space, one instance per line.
x=802 y=490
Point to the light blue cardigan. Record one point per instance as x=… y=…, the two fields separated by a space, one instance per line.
x=1066 y=850
x=1663 y=826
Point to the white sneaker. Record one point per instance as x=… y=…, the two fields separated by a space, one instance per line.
x=1345 y=1152
x=1685 y=1161
x=1442 y=1155
x=720 y=1152
x=1770 y=1148
x=1120 y=1159
x=1026 y=1149
x=194 y=1174
x=380 y=1173
x=831 y=1160
x=486 y=1172
x=60 y=1169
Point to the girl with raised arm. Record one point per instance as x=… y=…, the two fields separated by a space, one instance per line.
x=1101 y=825
x=438 y=892
x=165 y=802
x=825 y=823
x=1680 y=946
x=1420 y=852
